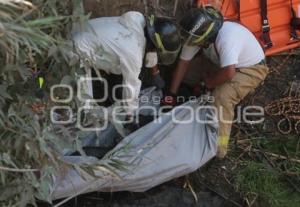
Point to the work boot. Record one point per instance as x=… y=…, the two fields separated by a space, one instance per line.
x=222 y=147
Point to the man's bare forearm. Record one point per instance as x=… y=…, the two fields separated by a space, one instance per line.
x=178 y=75
x=224 y=75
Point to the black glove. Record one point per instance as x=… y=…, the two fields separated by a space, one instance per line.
x=158 y=81
x=169 y=99
x=168 y=102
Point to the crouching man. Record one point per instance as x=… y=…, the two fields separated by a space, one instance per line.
x=236 y=52
x=116 y=48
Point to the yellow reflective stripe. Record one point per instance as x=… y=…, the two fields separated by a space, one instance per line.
x=201 y=38
x=223 y=141
x=41 y=82
x=159 y=42
x=151 y=20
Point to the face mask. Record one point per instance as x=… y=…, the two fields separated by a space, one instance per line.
x=166 y=57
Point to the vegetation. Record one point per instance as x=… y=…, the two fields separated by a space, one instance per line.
x=33 y=42
x=256 y=182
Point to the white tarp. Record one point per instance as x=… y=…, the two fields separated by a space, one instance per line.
x=158 y=152
x=115 y=45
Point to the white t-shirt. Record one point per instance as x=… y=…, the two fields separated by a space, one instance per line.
x=235 y=45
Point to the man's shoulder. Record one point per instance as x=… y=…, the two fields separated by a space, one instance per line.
x=235 y=25
x=233 y=32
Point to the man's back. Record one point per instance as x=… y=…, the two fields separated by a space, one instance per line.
x=115 y=45
x=236 y=45
x=110 y=41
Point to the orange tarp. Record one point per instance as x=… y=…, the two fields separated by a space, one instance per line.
x=279 y=15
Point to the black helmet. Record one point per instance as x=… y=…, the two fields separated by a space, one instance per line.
x=201 y=26
x=166 y=38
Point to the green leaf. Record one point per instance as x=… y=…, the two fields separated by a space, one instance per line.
x=4 y=93
x=44 y=23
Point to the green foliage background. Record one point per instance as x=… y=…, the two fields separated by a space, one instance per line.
x=255 y=180
x=33 y=38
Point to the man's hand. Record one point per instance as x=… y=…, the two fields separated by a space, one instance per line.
x=209 y=83
x=158 y=81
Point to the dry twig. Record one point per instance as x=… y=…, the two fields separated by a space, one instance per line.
x=17 y=170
